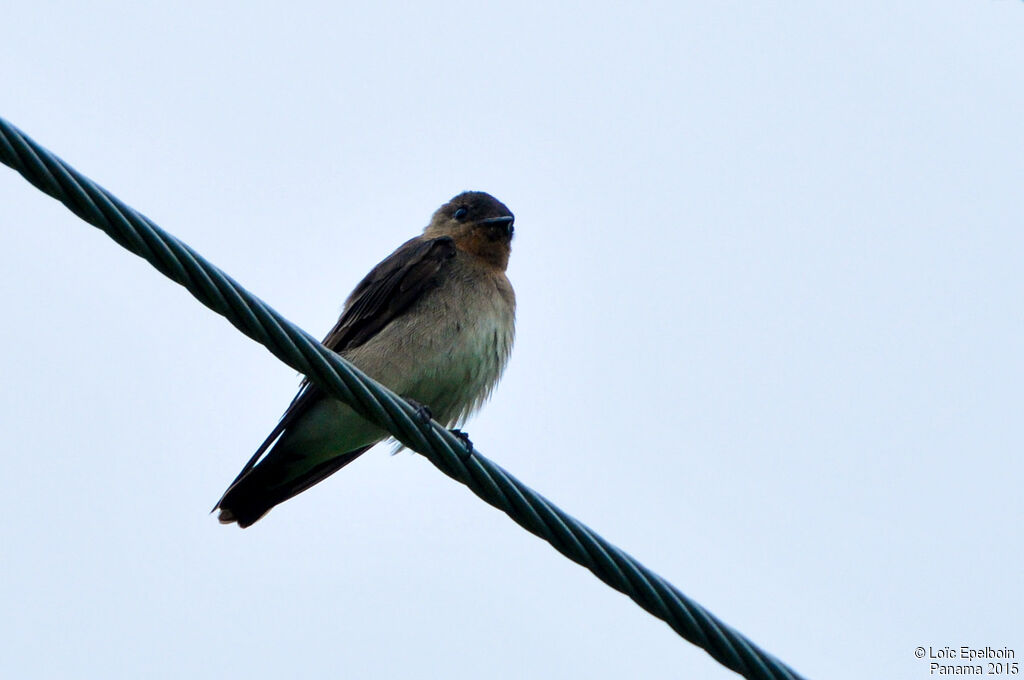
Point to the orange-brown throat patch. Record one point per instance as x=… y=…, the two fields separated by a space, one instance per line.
x=493 y=252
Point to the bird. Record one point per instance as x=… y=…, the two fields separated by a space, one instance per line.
x=434 y=321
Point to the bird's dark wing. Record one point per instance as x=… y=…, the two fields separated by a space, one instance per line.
x=389 y=290
x=386 y=293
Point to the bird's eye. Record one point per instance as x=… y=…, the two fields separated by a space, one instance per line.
x=461 y=213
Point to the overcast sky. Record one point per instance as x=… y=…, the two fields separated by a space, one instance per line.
x=768 y=263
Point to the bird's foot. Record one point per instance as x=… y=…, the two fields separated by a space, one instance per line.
x=464 y=438
x=423 y=411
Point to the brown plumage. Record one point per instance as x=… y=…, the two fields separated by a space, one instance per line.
x=434 y=322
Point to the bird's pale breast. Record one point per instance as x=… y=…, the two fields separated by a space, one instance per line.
x=450 y=349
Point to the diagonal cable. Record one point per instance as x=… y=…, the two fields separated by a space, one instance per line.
x=334 y=375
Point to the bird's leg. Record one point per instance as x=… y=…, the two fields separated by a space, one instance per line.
x=464 y=438
x=423 y=411
x=425 y=415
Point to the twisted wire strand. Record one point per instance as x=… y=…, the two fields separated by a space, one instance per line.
x=335 y=375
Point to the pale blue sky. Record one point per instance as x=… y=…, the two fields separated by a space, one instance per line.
x=768 y=262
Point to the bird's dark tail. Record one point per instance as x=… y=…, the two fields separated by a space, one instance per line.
x=261 y=488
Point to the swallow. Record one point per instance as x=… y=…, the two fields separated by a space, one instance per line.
x=434 y=321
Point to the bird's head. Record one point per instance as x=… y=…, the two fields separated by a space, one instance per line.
x=479 y=224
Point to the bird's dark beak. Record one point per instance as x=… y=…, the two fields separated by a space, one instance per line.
x=504 y=223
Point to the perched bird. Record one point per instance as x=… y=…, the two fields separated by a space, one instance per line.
x=434 y=322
